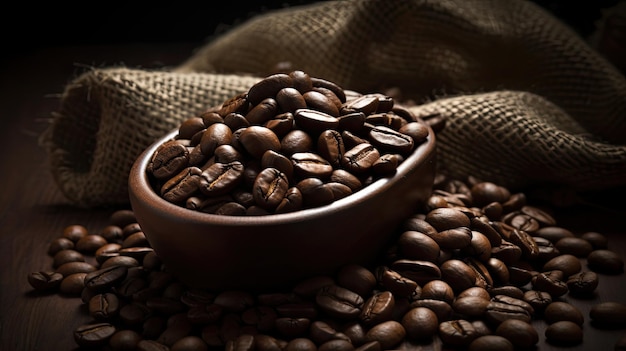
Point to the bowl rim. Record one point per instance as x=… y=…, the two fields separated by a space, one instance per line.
x=139 y=186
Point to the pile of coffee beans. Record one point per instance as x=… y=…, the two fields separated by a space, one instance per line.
x=290 y=142
x=471 y=271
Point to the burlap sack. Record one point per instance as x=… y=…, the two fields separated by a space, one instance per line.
x=528 y=102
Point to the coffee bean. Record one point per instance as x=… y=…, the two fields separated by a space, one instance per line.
x=457 y=333
x=377 y=308
x=519 y=332
x=45 y=280
x=605 y=261
x=270 y=188
x=103 y=307
x=94 y=335
x=568 y=264
x=582 y=283
x=360 y=158
x=576 y=246
x=608 y=314
x=357 y=278
x=388 y=334
x=339 y=302
x=126 y=339
x=563 y=311
x=59 y=244
x=564 y=333
x=447 y=218
x=74 y=232
x=491 y=343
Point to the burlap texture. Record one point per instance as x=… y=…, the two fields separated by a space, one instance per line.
x=527 y=100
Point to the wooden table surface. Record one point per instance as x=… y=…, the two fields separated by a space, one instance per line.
x=33 y=211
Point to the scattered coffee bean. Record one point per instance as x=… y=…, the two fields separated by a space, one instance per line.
x=480 y=293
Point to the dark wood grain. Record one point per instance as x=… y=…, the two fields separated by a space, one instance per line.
x=33 y=211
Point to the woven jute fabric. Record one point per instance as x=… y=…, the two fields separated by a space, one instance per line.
x=527 y=101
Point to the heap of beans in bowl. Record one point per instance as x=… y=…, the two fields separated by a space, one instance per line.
x=290 y=142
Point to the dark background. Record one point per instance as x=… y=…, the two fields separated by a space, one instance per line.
x=28 y=26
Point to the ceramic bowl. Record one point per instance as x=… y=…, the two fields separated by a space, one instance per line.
x=269 y=252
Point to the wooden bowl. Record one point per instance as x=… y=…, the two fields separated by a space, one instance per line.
x=260 y=253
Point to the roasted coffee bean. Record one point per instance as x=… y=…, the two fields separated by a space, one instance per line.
x=75 y=267
x=458 y=274
x=418 y=131
x=315 y=192
x=292 y=327
x=454 y=238
x=336 y=345
x=396 y=283
x=183 y=185
x=390 y=140
x=122 y=218
x=597 y=240
x=367 y=103
x=491 y=343
x=265 y=342
x=268 y=87
x=191 y=343
x=270 y=188
x=525 y=242
x=507 y=290
x=442 y=309
x=437 y=290
x=314 y=121
x=360 y=158
x=457 y=333
x=564 y=333
x=605 y=261
x=74 y=232
x=67 y=255
x=137 y=239
x=562 y=311
x=105 y=278
x=59 y=244
x=103 y=307
x=45 y=280
x=484 y=193
x=94 y=335
x=311 y=165
x=582 y=283
x=258 y=139
x=550 y=282
x=151 y=345
x=522 y=334
x=539 y=300
x=419 y=271
x=169 y=159
x=546 y=250
x=339 y=302
x=420 y=323
x=300 y=344
x=568 y=264
x=418 y=246
x=263 y=111
x=321 y=332
x=475 y=291
x=499 y=311
x=73 y=284
x=377 y=308
x=125 y=261
x=356 y=278
x=553 y=233
x=388 y=334
x=609 y=314
x=125 y=339
x=575 y=246
x=447 y=218
x=506 y=252
x=470 y=306
x=320 y=102
x=221 y=178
